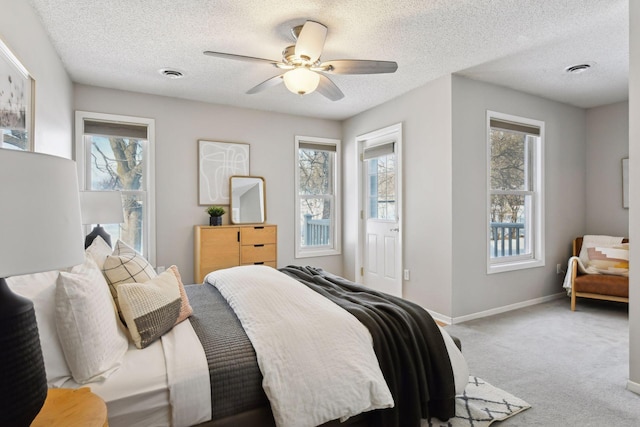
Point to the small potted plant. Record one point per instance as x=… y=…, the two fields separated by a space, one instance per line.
x=215 y=214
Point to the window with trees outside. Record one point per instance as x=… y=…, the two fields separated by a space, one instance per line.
x=317 y=184
x=515 y=205
x=115 y=153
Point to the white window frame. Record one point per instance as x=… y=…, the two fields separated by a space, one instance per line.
x=535 y=217
x=149 y=233
x=336 y=212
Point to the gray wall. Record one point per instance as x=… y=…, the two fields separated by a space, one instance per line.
x=179 y=125
x=634 y=194
x=21 y=31
x=564 y=159
x=607 y=144
x=425 y=114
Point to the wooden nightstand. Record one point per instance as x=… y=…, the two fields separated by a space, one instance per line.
x=72 y=407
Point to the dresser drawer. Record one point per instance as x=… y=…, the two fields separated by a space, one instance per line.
x=258 y=235
x=253 y=254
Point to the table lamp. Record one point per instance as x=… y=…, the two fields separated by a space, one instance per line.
x=100 y=207
x=40 y=230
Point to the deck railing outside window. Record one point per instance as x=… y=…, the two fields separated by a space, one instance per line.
x=504 y=236
x=316 y=231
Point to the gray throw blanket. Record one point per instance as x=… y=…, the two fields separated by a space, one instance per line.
x=236 y=381
x=407 y=342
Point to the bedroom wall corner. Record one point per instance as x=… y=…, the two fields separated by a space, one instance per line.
x=607 y=145
x=22 y=31
x=425 y=114
x=474 y=290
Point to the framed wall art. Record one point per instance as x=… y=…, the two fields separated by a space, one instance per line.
x=217 y=161
x=17 y=90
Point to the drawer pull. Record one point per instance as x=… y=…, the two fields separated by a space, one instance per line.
x=258 y=228
x=258 y=263
x=259 y=246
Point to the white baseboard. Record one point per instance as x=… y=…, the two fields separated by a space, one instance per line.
x=497 y=310
x=633 y=386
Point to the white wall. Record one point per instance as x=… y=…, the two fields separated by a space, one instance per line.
x=473 y=289
x=22 y=32
x=179 y=125
x=634 y=195
x=607 y=144
x=425 y=114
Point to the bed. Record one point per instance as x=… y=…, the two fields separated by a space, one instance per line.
x=421 y=367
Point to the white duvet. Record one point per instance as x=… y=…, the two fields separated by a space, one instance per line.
x=317 y=360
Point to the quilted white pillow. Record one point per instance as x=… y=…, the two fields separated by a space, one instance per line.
x=92 y=342
x=126 y=265
x=40 y=288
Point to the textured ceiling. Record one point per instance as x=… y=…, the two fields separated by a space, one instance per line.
x=521 y=44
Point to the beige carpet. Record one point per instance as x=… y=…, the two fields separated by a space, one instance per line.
x=480 y=405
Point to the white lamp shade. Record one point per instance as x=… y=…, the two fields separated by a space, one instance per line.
x=40 y=228
x=101 y=207
x=301 y=80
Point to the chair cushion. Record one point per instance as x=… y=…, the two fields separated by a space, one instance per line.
x=602 y=284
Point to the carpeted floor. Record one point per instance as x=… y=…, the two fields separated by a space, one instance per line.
x=571 y=367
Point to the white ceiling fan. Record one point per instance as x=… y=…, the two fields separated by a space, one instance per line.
x=304 y=73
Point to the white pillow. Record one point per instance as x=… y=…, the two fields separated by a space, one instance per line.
x=40 y=288
x=99 y=250
x=92 y=342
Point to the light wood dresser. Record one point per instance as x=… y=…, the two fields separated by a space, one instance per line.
x=227 y=246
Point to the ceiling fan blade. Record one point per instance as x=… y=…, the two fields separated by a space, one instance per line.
x=357 y=66
x=240 y=57
x=329 y=89
x=311 y=40
x=273 y=81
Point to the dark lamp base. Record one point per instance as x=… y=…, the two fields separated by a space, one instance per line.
x=97 y=231
x=23 y=380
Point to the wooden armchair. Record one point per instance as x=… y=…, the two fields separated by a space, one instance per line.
x=598 y=286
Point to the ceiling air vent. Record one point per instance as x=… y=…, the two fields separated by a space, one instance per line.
x=579 y=68
x=172 y=74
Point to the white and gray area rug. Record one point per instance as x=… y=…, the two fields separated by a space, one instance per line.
x=480 y=405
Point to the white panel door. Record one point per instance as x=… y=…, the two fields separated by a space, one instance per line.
x=382 y=246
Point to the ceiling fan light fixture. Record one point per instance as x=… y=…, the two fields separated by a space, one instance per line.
x=301 y=80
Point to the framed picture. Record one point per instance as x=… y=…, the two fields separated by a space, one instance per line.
x=17 y=90
x=625 y=183
x=217 y=161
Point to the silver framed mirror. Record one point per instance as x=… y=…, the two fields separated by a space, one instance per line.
x=247 y=196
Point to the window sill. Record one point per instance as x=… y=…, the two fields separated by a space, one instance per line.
x=310 y=253
x=515 y=265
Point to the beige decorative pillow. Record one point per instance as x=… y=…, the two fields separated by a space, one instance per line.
x=185 y=307
x=150 y=309
x=126 y=265
x=610 y=259
x=91 y=340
